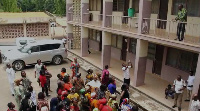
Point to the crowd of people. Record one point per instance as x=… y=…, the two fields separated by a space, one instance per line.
x=95 y=92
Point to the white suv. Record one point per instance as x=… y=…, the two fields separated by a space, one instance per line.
x=46 y=50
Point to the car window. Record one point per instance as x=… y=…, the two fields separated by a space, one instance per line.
x=35 y=49
x=49 y=47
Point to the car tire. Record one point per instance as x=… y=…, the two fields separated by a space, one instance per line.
x=18 y=65
x=57 y=60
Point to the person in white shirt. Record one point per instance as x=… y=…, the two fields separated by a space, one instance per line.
x=190 y=83
x=179 y=85
x=125 y=69
x=38 y=67
x=195 y=104
x=11 y=77
x=33 y=95
x=94 y=83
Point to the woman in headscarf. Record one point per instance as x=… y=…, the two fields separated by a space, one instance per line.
x=18 y=91
x=125 y=105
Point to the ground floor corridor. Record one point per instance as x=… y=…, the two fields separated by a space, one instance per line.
x=154 y=86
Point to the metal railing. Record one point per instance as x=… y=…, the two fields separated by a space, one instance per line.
x=168 y=29
x=94 y=19
x=124 y=23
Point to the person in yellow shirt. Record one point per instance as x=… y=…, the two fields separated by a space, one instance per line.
x=73 y=95
x=112 y=102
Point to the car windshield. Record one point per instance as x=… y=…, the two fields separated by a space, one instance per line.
x=24 y=49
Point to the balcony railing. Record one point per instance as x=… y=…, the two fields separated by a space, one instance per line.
x=93 y=19
x=125 y=23
x=168 y=29
x=73 y=17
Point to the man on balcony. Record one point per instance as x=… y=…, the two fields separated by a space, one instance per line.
x=182 y=18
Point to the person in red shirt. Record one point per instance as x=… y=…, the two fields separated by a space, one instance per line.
x=74 y=106
x=11 y=107
x=67 y=85
x=60 y=89
x=103 y=105
x=75 y=67
x=43 y=81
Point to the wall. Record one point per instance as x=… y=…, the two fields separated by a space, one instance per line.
x=117 y=17
x=94 y=45
x=37 y=29
x=11 y=31
x=149 y=66
x=116 y=53
x=95 y=15
x=170 y=73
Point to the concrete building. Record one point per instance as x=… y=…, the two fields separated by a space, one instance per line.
x=147 y=38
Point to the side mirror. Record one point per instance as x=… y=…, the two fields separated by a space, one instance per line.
x=29 y=52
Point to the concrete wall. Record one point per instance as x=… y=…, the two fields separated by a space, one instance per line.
x=96 y=15
x=149 y=66
x=94 y=45
x=170 y=73
x=116 y=53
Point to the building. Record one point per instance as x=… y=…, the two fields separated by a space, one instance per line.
x=30 y=24
x=147 y=38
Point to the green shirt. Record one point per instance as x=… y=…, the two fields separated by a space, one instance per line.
x=182 y=15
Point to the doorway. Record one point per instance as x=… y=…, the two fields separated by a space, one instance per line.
x=199 y=93
x=100 y=43
x=157 y=63
x=124 y=49
x=163 y=9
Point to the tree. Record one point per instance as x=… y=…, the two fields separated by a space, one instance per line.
x=49 y=6
x=39 y=5
x=9 y=6
x=60 y=7
x=26 y=5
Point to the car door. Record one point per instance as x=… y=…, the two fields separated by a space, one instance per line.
x=33 y=55
x=45 y=52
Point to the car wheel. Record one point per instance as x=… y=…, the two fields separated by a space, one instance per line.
x=57 y=60
x=18 y=65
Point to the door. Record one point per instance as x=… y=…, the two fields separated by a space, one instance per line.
x=199 y=93
x=100 y=43
x=124 y=49
x=45 y=53
x=33 y=55
x=157 y=64
x=163 y=14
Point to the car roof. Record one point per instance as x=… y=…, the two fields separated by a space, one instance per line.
x=47 y=41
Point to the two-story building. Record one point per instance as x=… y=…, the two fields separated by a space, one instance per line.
x=147 y=38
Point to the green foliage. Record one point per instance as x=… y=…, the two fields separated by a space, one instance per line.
x=53 y=6
x=9 y=6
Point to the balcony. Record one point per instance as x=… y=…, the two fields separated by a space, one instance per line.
x=168 y=30
x=94 y=19
x=122 y=23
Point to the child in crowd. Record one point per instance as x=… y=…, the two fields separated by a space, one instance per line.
x=169 y=92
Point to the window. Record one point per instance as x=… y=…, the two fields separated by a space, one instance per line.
x=151 y=51
x=44 y=47
x=95 y=35
x=35 y=49
x=118 y=5
x=53 y=46
x=132 y=46
x=155 y=6
x=94 y=5
x=116 y=41
x=135 y=5
x=193 y=8
x=182 y=60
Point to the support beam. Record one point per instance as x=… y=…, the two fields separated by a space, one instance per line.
x=24 y=27
x=140 y=63
x=106 y=49
x=197 y=80
x=69 y=35
x=84 y=41
x=107 y=10
x=144 y=12
x=85 y=11
x=69 y=10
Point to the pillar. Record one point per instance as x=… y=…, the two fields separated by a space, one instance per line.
x=107 y=10
x=130 y=3
x=69 y=10
x=84 y=41
x=144 y=12
x=69 y=35
x=106 y=49
x=24 y=27
x=197 y=80
x=84 y=11
x=140 y=63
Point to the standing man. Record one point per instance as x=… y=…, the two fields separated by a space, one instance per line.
x=26 y=83
x=181 y=17
x=125 y=69
x=38 y=67
x=179 y=85
x=190 y=83
x=11 y=77
x=105 y=76
x=75 y=67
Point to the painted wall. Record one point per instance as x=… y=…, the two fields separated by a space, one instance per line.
x=170 y=73
x=95 y=15
x=94 y=45
x=116 y=53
